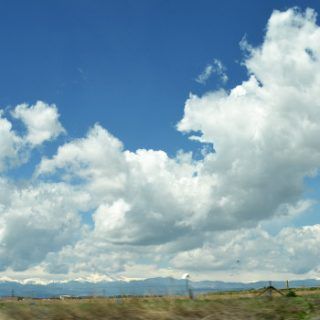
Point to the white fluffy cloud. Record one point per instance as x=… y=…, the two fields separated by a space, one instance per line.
x=158 y=195
x=10 y=142
x=292 y=250
x=179 y=211
x=41 y=121
x=265 y=130
x=36 y=220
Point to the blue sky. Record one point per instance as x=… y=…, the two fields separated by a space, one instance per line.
x=137 y=69
x=128 y=65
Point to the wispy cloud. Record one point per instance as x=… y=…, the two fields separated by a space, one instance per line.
x=214 y=68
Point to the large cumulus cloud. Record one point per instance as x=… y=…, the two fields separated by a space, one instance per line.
x=178 y=210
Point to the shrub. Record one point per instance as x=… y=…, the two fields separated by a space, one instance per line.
x=291 y=293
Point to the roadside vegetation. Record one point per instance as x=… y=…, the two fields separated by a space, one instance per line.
x=228 y=305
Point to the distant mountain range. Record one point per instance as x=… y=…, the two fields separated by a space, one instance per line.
x=153 y=286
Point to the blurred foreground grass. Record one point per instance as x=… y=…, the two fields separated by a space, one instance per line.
x=207 y=307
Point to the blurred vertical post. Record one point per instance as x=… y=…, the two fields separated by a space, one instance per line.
x=188 y=287
x=270 y=289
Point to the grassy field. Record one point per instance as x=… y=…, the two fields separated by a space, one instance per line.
x=220 y=306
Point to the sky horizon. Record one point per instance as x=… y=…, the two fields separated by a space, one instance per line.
x=157 y=138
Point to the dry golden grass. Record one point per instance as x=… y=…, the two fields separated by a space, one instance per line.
x=229 y=306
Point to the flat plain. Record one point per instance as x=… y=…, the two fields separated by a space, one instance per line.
x=228 y=305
